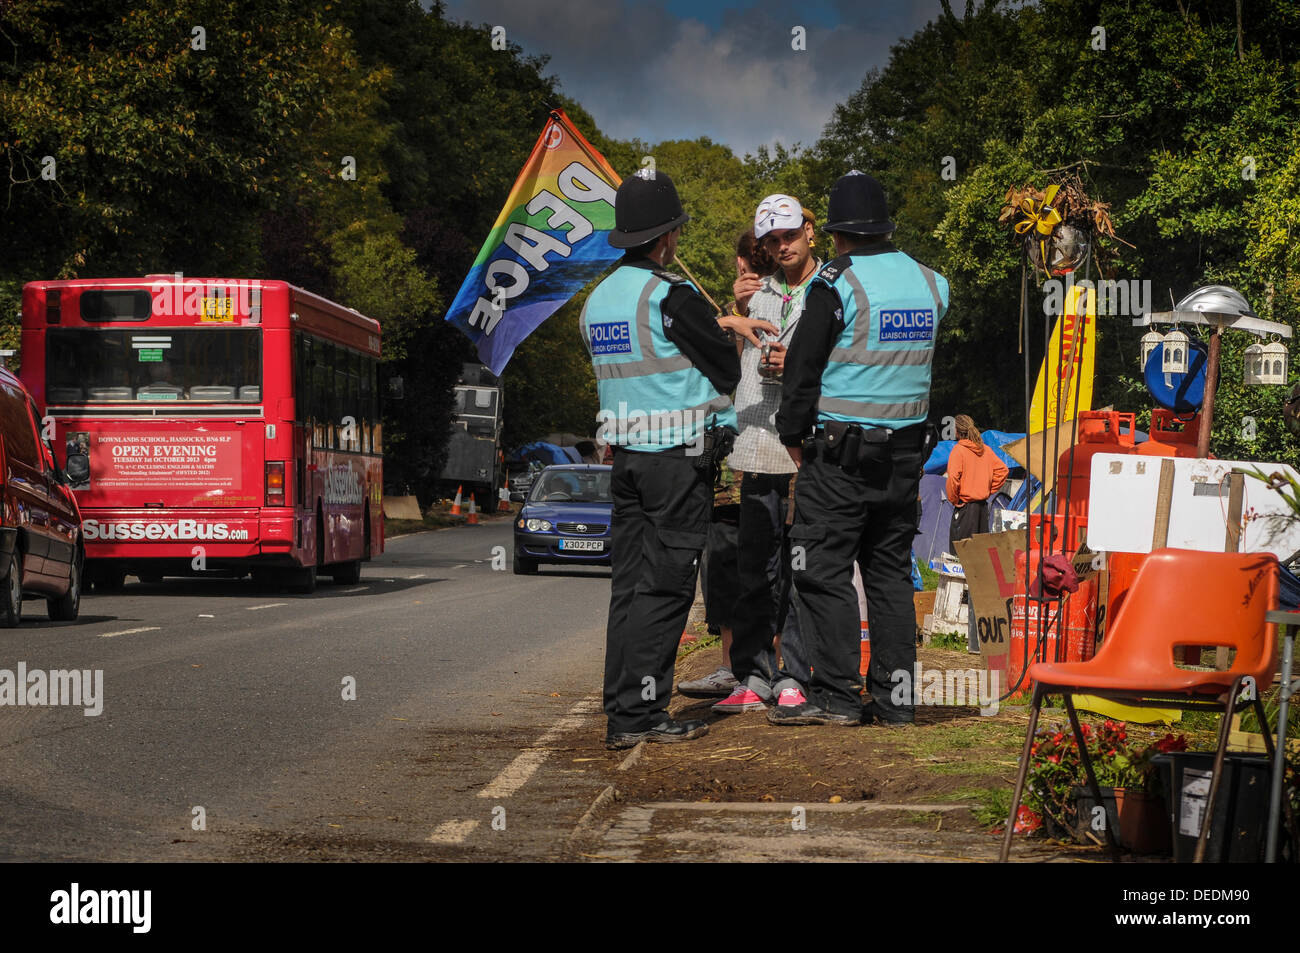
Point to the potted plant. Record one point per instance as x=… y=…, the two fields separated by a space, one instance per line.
x=1058 y=796
x=1127 y=769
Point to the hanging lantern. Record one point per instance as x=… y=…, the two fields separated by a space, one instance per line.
x=1275 y=360
x=1253 y=368
x=1150 y=341
x=1174 y=353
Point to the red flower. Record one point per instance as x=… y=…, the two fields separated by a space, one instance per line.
x=1027 y=820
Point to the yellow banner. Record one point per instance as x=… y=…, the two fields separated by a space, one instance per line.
x=1071 y=365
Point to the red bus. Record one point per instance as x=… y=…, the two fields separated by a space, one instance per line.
x=210 y=425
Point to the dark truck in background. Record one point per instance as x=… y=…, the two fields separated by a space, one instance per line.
x=474 y=459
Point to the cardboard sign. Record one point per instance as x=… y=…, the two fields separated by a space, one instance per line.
x=990 y=563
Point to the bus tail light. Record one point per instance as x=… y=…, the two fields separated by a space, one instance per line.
x=275 y=483
x=53 y=305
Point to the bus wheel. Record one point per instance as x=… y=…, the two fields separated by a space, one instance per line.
x=301 y=581
x=346 y=574
x=109 y=580
x=65 y=608
x=11 y=606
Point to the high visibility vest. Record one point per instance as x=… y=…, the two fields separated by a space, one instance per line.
x=652 y=397
x=879 y=369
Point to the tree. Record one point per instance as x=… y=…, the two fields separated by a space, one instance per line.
x=1158 y=122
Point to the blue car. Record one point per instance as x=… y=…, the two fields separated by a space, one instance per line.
x=566 y=518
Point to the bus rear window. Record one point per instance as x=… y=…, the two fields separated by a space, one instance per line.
x=116 y=305
x=215 y=365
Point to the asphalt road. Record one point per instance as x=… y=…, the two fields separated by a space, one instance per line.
x=224 y=704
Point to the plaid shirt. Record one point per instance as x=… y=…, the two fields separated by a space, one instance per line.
x=758 y=448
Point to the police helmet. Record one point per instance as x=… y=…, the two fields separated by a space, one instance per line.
x=857 y=206
x=646 y=207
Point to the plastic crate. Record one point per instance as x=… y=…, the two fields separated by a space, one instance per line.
x=1238 y=827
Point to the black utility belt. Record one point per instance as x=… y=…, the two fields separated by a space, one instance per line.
x=705 y=454
x=851 y=445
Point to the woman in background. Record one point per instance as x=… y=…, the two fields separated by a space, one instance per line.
x=975 y=473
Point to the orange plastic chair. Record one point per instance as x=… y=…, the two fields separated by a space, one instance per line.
x=1179 y=597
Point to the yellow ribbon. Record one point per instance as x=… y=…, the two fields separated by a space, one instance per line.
x=1040 y=216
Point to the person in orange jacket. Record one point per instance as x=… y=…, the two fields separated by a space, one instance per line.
x=975 y=473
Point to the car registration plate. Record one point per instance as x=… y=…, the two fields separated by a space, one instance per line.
x=583 y=545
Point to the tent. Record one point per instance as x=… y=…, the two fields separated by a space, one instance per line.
x=994 y=439
x=586 y=446
x=544 y=453
x=931 y=540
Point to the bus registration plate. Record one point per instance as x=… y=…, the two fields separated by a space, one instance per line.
x=583 y=545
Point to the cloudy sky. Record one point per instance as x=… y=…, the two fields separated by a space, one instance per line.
x=680 y=69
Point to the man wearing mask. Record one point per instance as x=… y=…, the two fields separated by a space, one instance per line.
x=785 y=231
x=853 y=418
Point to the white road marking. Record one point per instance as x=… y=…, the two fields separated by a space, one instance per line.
x=516 y=774
x=206 y=615
x=461 y=566
x=451 y=832
x=357 y=589
x=147 y=628
x=269 y=605
x=418 y=575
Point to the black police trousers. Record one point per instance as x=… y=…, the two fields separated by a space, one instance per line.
x=869 y=514
x=660 y=525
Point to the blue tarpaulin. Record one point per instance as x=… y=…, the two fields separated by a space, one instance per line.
x=546 y=453
x=938 y=462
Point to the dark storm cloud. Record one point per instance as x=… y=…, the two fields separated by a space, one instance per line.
x=726 y=71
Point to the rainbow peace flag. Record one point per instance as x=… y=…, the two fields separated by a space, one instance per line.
x=548 y=241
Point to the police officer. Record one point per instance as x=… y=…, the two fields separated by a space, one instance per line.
x=664 y=367
x=853 y=418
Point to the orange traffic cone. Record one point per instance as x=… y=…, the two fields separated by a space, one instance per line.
x=455 y=506
x=473 y=512
x=503 y=505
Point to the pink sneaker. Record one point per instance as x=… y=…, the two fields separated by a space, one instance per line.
x=790 y=697
x=742 y=699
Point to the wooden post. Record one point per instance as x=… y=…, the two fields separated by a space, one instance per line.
x=1160 y=535
x=1231 y=542
x=1211 y=385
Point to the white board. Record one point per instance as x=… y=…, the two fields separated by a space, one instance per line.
x=1122 y=506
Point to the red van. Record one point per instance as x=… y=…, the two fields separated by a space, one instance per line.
x=41 y=551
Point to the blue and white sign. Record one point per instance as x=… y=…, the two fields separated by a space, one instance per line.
x=614 y=337
x=907 y=325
